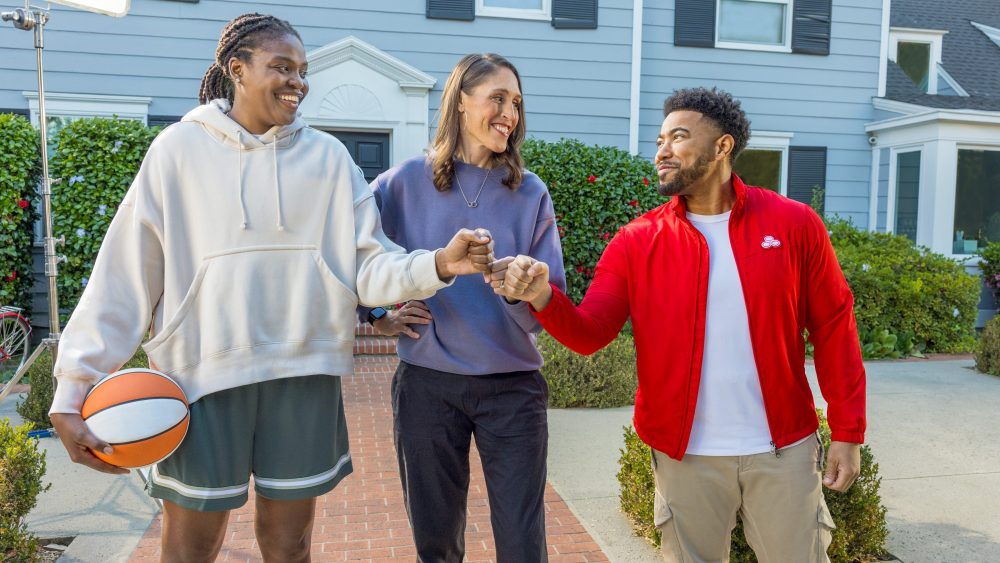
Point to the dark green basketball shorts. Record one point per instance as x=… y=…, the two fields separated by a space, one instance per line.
x=290 y=434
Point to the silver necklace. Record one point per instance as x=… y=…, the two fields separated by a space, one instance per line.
x=474 y=202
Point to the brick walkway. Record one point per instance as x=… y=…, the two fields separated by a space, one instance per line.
x=363 y=519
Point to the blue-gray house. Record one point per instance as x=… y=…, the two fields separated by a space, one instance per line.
x=807 y=72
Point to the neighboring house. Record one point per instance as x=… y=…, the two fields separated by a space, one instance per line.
x=596 y=70
x=936 y=139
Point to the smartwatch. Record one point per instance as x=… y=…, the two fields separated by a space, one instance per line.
x=376 y=314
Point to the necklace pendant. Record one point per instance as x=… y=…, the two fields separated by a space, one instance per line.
x=473 y=203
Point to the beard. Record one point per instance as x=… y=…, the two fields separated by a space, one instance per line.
x=685 y=176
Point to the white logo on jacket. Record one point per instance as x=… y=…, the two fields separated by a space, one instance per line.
x=770 y=242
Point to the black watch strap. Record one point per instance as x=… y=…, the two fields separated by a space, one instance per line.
x=376 y=314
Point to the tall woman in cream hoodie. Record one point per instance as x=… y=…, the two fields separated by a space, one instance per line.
x=244 y=245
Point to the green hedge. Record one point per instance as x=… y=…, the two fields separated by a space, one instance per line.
x=35 y=407
x=604 y=380
x=907 y=299
x=595 y=191
x=860 y=517
x=20 y=162
x=97 y=159
x=988 y=350
x=22 y=465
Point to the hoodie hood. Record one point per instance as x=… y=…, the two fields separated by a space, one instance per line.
x=214 y=117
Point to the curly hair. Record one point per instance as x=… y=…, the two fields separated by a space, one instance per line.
x=719 y=106
x=239 y=38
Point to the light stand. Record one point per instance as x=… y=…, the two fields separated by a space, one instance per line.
x=34 y=19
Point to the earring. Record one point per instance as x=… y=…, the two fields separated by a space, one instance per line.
x=236 y=79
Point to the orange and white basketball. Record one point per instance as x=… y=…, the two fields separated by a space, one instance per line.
x=142 y=413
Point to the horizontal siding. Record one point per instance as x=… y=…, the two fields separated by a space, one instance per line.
x=822 y=100
x=161 y=50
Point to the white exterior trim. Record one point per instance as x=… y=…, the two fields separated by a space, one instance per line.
x=544 y=14
x=636 y=78
x=991 y=32
x=883 y=54
x=873 y=190
x=786 y=47
x=932 y=37
x=356 y=87
x=963 y=116
x=59 y=104
x=895 y=106
x=774 y=141
x=942 y=73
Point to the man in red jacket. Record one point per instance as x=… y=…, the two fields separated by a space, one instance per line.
x=720 y=283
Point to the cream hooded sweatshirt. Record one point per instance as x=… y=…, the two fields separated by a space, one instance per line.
x=245 y=256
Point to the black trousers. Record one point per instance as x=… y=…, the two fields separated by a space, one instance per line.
x=435 y=415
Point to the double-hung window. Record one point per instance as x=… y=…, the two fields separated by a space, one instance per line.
x=754 y=24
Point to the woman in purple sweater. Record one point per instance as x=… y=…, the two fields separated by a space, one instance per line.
x=468 y=362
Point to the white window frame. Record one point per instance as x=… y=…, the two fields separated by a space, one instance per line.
x=932 y=37
x=58 y=104
x=954 y=193
x=774 y=141
x=544 y=14
x=784 y=48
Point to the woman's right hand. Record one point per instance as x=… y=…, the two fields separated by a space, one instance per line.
x=397 y=321
x=79 y=440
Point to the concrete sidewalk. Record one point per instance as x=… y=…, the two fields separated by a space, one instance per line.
x=932 y=426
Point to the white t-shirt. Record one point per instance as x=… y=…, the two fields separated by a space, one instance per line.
x=729 y=419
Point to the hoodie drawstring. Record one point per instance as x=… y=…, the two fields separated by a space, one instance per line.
x=239 y=180
x=277 y=187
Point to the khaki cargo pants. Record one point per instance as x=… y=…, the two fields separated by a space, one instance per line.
x=779 y=498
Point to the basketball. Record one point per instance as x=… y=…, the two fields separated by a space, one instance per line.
x=142 y=413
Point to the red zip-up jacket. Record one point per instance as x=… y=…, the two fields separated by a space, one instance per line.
x=656 y=271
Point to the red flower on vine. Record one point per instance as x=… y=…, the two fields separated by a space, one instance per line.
x=11 y=277
x=591 y=178
x=23 y=204
x=579 y=268
x=607 y=236
x=645 y=181
x=634 y=203
x=562 y=232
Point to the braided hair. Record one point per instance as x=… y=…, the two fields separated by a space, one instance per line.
x=239 y=38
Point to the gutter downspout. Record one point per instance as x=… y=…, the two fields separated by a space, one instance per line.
x=636 y=86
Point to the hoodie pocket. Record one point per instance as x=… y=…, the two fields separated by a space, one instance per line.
x=254 y=296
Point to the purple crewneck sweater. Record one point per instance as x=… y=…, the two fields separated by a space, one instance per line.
x=474 y=331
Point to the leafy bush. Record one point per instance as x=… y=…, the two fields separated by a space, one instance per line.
x=907 y=299
x=20 y=162
x=22 y=466
x=595 y=191
x=35 y=407
x=990 y=265
x=860 y=517
x=988 y=352
x=603 y=380
x=97 y=158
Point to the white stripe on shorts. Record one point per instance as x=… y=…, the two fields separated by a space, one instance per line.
x=303 y=482
x=195 y=492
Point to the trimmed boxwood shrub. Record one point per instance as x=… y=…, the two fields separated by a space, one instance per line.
x=907 y=299
x=860 y=517
x=595 y=191
x=603 y=380
x=22 y=466
x=97 y=159
x=988 y=352
x=20 y=170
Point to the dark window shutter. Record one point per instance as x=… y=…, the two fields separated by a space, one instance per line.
x=154 y=120
x=574 y=14
x=694 y=23
x=452 y=9
x=22 y=112
x=811 y=27
x=806 y=172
